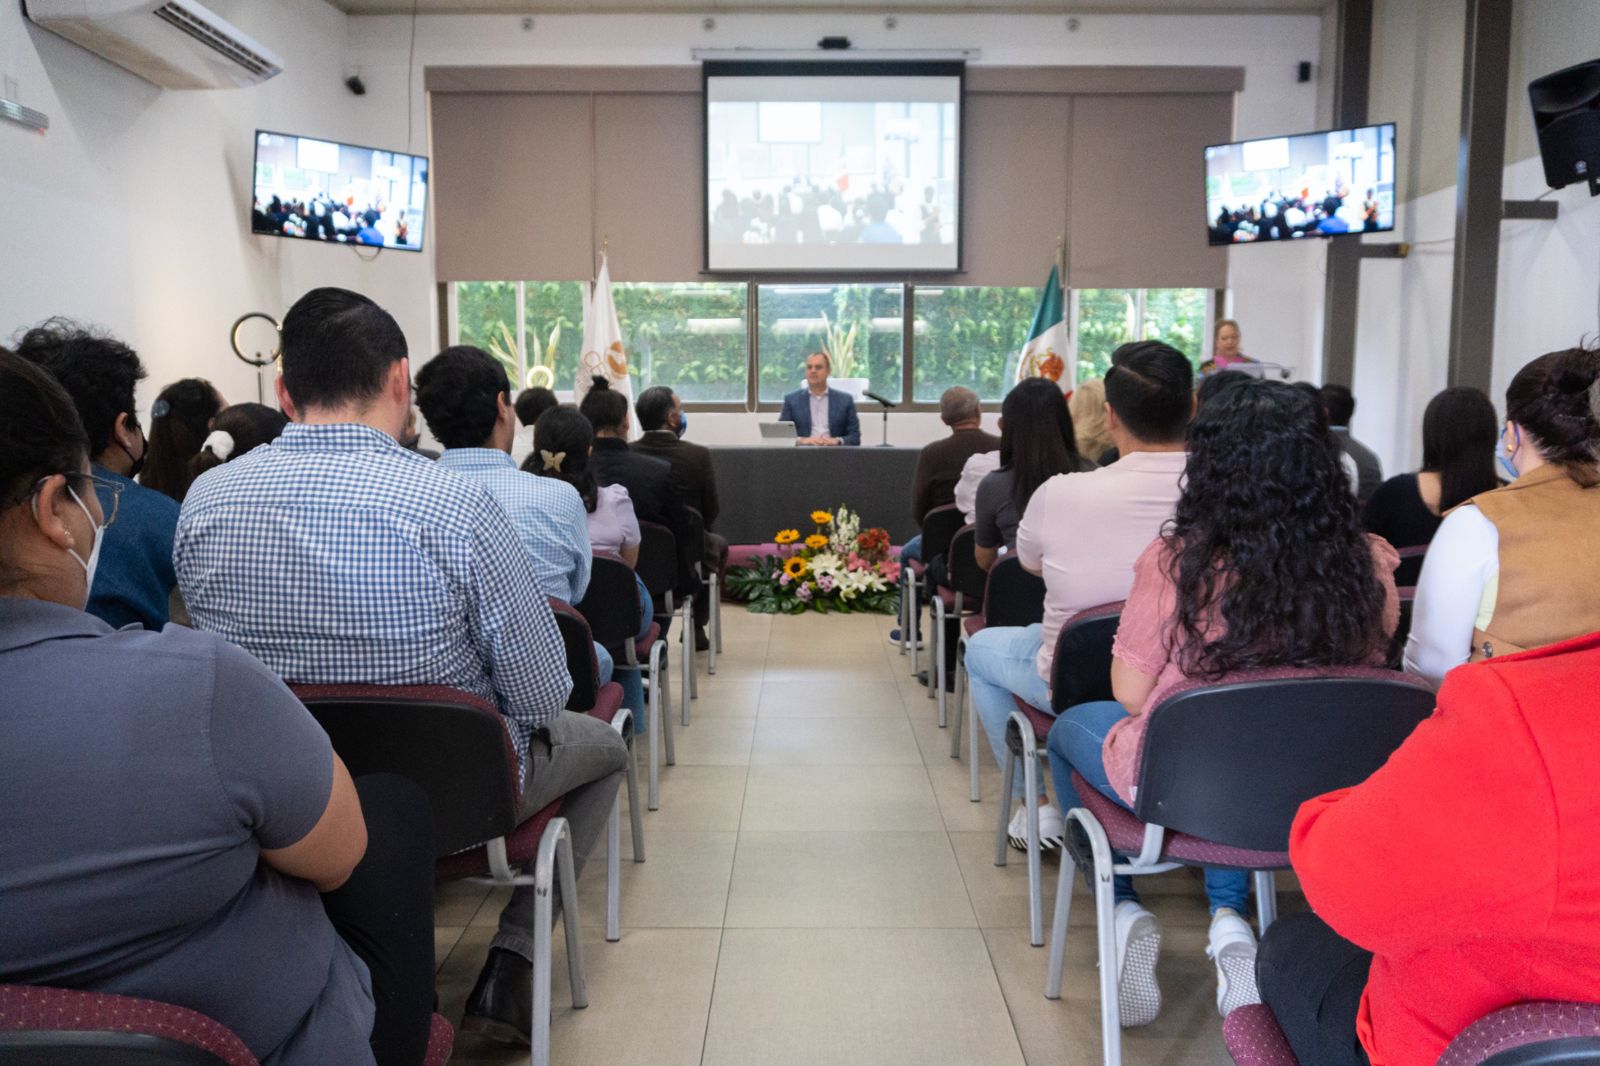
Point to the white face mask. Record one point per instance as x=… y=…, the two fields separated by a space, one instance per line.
x=93 y=561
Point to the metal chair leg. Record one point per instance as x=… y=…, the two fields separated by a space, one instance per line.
x=936 y=668
x=1266 y=899
x=715 y=621
x=913 y=618
x=955 y=726
x=1058 y=927
x=1030 y=789
x=657 y=719
x=554 y=859
x=1002 y=840
x=905 y=626
x=690 y=679
x=972 y=748
x=614 y=872
x=635 y=808
x=666 y=705
x=571 y=920
x=1105 y=910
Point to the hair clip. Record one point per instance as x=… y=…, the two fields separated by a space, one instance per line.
x=161 y=409
x=552 y=460
x=221 y=444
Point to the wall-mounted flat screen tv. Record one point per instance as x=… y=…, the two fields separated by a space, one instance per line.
x=833 y=166
x=1325 y=184
x=338 y=193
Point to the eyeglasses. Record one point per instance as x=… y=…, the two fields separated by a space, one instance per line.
x=107 y=491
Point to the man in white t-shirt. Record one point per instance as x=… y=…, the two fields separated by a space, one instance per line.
x=1082 y=533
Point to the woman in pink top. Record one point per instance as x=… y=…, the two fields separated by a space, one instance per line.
x=1264 y=565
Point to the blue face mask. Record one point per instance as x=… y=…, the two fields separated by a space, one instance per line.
x=683 y=422
x=1508 y=469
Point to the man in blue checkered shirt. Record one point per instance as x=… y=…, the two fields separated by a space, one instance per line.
x=336 y=556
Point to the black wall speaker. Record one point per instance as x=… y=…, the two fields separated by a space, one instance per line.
x=1566 y=116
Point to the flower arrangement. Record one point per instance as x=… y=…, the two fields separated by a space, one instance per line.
x=840 y=567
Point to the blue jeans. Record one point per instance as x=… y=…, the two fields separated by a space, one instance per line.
x=912 y=549
x=1001 y=661
x=1077 y=742
x=631 y=680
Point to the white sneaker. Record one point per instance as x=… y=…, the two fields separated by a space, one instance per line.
x=1233 y=948
x=1138 y=945
x=1052 y=828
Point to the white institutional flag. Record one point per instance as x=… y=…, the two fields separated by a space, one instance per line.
x=603 y=351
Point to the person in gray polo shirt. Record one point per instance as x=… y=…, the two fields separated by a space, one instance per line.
x=171 y=812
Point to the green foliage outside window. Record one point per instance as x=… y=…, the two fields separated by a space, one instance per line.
x=690 y=337
x=486 y=315
x=969 y=335
x=553 y=312
x=1107 y=318
x=1177 y=316
x=861 y=325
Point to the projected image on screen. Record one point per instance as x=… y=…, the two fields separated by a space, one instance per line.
x=339 y=193
x=1312 y=185
x=832 y=172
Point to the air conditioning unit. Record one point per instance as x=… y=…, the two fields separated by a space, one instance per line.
x=177 y=44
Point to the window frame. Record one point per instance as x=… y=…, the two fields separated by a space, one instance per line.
x=449 y=329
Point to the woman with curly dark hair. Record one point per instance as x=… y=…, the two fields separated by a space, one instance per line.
x=1518 y=567
x=1264 y=565
x=179 y=421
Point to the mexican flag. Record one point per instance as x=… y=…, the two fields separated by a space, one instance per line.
x=1045 y=355
x=603 y=351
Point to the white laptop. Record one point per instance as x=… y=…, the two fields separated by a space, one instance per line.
x=778 y=433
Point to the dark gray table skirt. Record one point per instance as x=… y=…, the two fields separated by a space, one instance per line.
x=765 y=489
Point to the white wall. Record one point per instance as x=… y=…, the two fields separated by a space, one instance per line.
x=132 y=212
x=1548 y=297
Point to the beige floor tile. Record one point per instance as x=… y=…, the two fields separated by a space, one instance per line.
x=880 y=798
x=455 y=902
x=444 y=941
x=834 y=742
x=683 y=883
x=728 y=695
x=831 y=699
x=694 y=798
x=890 y=997
x=711 y=741
x=1000 y=893
x=1066 y=1032
x=847 y=880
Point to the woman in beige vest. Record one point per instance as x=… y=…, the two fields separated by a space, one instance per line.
x=1519 y=567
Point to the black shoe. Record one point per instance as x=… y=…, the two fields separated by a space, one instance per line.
x=501 y=1005
x=949 y=680
x=701 y=641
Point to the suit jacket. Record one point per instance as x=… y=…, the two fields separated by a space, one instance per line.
x=649 y=484
x=692 y=474
x=842 y=421
x=1368 y=466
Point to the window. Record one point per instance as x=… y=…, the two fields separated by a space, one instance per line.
x=552 y=324
x=861 y=326
x=968 y=336
x=1102 y=319
x=486 y=315
x=691 y=337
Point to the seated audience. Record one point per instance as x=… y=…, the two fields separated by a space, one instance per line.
x=1340 y=404
x=170 y=823
x=563 y=446
x=1264 y=565
x=179 y=421
x=939 y=464
x=663 y=423
x=237 y=431
x=337 y=556
x=647 y=479
x=1480 y=830
x=1518 y=567
x=965 y=494
x=531 y=403
x=821 y=416
x=1037 y=442
x=464 y=394
x=135 y=577
x=1082 y=532
x=1087 y=405
x=1459 y=432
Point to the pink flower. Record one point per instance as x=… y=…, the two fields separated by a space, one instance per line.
x=890 y=571
x=804 y=592
x=825 y=582
x=784 y=579
x=776 y=574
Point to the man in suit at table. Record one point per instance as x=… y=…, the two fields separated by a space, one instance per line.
x=821 y=415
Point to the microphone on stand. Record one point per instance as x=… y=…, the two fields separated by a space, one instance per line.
x=887 y=403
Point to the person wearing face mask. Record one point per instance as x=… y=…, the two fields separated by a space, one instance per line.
x=135 y=578
x=663 y=422
x=1519 y=567
x=254 y=891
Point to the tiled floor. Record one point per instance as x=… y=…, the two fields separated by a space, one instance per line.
x=819 y=890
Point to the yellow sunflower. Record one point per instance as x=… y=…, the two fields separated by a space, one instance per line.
x=796 y=568
x=815 y=541
x=821 y=518
x=787 y=536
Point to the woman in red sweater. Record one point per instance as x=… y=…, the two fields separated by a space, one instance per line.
x=1465 y=869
